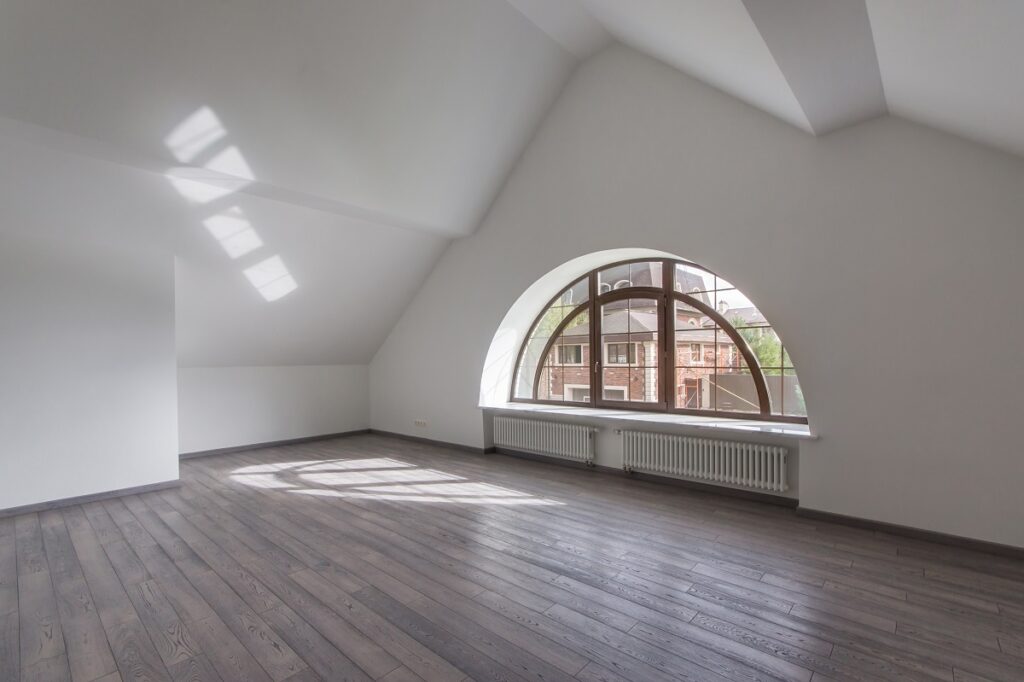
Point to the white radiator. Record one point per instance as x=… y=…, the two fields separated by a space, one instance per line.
x=540 y=437
x=751 y=465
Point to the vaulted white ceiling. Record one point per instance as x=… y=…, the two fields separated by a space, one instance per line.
x=957 y=66
x=307 y=162
x=408 y=112
x=350 y=138
x=822 y=65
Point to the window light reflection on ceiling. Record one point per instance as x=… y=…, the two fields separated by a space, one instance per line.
x=195 y=134
x=271 y=278
x=225 y=171
x=234 y=232
x=197 y=191
x=230 y=162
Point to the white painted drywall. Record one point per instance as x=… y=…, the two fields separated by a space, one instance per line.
x=81 y=206
x=87 y=368
x=887 y=255
x=223 y=407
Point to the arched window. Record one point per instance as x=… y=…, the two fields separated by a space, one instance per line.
x=658 y=335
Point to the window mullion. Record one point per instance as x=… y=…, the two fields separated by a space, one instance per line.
x=596 y=351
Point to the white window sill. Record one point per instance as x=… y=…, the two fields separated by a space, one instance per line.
x=626 y=418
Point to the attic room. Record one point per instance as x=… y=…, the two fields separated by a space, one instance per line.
x=592 y=340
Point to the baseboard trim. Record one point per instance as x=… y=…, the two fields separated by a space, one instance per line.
x=752 y=495
x=431 y=441
x=937 y=537
x=271 y=444
x=92 y=497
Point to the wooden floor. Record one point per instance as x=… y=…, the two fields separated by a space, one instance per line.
x=370 y=558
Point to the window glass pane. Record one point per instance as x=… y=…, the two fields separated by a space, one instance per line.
x=623 y=353
x=793 y=405
x=563 y=305
x=615 y=383
x=613 y=278
x=643 y=384
x=689 y=317
x=709 y=371
x=695 y=388
x=691 y=279
x=727 y=354
x=629 y=337
x=528 y=366
x=765 y=344
x=735 y=391
x=544 y=384
x=555 y=379
x=694 y=347
x=571 y=379
x=786 y=396
x=737 y=309
x=576 y=294
x=570 y=354
x=647 y=274
x=577 y=330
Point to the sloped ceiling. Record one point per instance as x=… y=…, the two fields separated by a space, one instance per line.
x=957 y=66
x=822 y=65
x=317 y=156
x=307 y=162
x=410 y=112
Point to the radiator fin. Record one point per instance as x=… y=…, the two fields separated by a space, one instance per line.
x=543 y=437
x=749 y=465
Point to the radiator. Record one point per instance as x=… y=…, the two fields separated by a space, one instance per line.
x=540 y=437
x=750 y=465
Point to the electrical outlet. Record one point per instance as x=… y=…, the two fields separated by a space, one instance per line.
x=421 y=423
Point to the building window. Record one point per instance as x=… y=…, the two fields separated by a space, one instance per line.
x=674 y=337
x=620 y=353
x=613 y=393
x=570 y=355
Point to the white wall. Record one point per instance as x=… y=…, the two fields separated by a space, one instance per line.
x=83 y=207
x=886 y=254
x=229 y=406
x=87 y=368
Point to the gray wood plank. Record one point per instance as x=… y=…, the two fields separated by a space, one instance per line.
x=385 y=559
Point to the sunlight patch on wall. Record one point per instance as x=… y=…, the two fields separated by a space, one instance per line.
x=197 y=191
x=195 y=134
x=234 y=232
x=271 y=278
x=230 y=162
x=226 y=171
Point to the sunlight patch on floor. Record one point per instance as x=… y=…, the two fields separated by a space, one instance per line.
x=382 y=478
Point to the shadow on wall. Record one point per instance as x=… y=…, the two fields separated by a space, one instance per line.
x=379 y=478
x=215 y=171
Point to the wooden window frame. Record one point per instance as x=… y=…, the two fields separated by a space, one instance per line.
x=665 y=297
